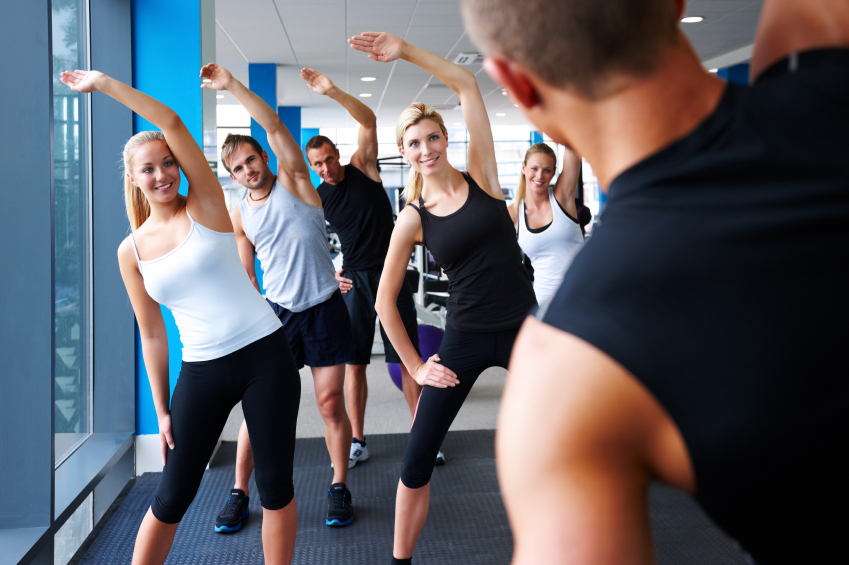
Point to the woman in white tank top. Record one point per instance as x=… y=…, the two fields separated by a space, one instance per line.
x=546 y=218
x=182 y=254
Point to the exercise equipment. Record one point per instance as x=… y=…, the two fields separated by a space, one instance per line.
x=430 y=338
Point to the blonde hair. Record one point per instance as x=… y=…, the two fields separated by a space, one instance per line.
x=535 y=148
x=413 y=114
x=138 y=208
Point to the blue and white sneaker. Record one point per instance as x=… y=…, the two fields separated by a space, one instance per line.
x=236 y=510
x=339 y=509
x=359 y=452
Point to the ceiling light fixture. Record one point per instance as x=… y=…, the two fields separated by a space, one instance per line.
x=365 y=95
x=219 y=96
x=368 y=79
x=691 y=19
x=458 y=123
x=714 y=70
x=500 y=114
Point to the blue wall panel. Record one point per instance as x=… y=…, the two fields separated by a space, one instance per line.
x=166 y=66
x=738 y=74
x=262 y=80
x=306 y=134
x=536 y=137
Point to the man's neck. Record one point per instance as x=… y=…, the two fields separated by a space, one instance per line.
x=258 y=195
x=641 y=117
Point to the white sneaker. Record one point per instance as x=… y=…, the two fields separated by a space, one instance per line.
x=440 y=459
x=359 y=452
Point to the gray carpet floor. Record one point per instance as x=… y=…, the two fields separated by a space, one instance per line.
x=467 y=523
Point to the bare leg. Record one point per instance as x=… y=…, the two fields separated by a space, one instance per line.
x=244 y=459
x=411 y=506
x=330 y=396
x=278 y=534
x=153 y=541
x=356 y=394
x=412 y=390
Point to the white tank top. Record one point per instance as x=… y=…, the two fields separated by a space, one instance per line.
x=203 y=283
x=551 y=251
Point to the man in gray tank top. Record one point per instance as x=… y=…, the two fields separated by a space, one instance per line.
x=281 y=223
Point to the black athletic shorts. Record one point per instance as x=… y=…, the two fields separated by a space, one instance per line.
x=319 y=336
x=360 y=302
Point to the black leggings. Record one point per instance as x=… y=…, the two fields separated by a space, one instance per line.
x=468 y=354
x=263 y=375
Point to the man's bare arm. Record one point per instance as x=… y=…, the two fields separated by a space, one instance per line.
x=365 y=157
x=585 y=438
x=791 y=26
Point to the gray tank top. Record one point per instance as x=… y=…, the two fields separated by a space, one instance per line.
x=291 y=243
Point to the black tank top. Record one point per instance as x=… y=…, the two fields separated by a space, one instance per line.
x=489 y=289
x=718 y=279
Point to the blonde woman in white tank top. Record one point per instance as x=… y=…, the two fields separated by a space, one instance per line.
x=546 y=218
x=182 y=254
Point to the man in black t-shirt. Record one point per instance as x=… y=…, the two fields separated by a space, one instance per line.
x=358 y=209
x=696 y=338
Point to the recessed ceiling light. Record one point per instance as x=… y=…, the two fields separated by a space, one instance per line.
x=365 y=94
x=504 y=93
x=714 y=70
x=458 y=123
x=219 y=96
x=516 y=105
x=500 y=114
x=368 y=79
x=691 y=19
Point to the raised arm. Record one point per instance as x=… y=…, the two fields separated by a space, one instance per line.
x=205 y=198
x=790 y=26
x=567 y=182
x=385 y=47
x=247 y=251
x=292 y=169
x=365 y=157
x=154 y=340
x=408 y=230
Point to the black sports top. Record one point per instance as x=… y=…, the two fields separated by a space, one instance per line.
x=360 y=213
x=488 y=287
x=718 y=277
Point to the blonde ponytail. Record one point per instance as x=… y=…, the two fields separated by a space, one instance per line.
x=138 y=208
x=413 y=114
x=535 y=148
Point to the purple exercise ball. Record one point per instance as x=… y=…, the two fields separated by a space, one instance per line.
x=430 y=338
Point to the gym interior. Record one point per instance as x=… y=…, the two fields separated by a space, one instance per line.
x=79 y=443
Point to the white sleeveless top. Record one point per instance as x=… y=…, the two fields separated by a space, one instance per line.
x=290 y=239
x=203 y=283
x=551 y=251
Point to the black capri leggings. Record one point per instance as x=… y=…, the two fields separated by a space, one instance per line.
x=263 y=375
x=468 y=354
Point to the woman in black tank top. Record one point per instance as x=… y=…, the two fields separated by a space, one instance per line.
x=463 y=219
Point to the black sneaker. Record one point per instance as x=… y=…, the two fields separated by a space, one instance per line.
x=236 y=510
x=440 y=459
x=339 y=509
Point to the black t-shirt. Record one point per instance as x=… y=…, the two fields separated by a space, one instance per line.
x=489 y=289
x=718 y=277
x=360 y=213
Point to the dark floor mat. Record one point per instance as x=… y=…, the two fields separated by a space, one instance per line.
x=467 y=523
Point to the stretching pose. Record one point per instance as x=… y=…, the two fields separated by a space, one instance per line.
x=359 y=210
x=546 y=218
x=281 y=222
x=463 y=220
x=693 y=341
x=234 y=347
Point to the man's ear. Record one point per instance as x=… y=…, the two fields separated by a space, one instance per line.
x=515 y=80
x=232 y=177
x=265 y=156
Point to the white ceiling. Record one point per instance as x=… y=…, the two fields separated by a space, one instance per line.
x=252 y=31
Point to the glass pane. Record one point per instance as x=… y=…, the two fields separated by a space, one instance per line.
x=71 y=224
x=74 y=532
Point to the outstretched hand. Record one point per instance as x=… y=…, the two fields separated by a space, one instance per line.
x=383 y=47
x=219 y=77
x=317 y=81
x=432 y=373
x=80 y=81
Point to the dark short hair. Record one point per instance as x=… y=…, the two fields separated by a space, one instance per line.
x=232 y=142
x=317 y=142
x=575 y=44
